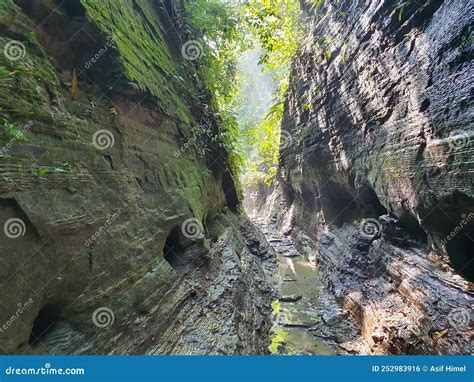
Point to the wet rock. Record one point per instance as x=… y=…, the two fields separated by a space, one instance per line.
x=301 y=325
x=291 y=298
x=291 y=254
x=375 y=134
x=393 y=231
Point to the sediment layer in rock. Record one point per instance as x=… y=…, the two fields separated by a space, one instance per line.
x=379 y=113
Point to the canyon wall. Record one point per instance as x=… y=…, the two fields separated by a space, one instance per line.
x=376 y=172
x=116 y=231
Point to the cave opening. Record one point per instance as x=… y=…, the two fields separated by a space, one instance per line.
x=460 y=251
x=411 y=225
x=44 y=321
x=453 y=223
x=72 y=8
x=309 y=197
x=336 y=204
x=174 y=250
x=231 y=197
x=372 y=202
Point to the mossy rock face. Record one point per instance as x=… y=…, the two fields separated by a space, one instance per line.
x=143 y=44
x=101 y=178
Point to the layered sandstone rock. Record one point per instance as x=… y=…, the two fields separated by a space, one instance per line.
x=107 y=182
x=380 y=117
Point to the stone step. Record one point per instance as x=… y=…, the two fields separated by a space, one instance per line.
x=291 y=254
x=291 y=298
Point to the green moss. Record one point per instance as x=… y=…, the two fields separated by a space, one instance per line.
x=278 y=339
x=8 y=11
x=10 y=131
x=43 y=171
x=141 y=42
x=276 y=307
x=27 y=85
x=26 y=73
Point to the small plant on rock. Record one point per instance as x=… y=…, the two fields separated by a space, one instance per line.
x=10 y=131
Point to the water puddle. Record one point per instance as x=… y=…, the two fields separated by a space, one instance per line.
x=295 y=311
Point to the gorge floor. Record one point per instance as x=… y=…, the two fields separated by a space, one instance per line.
x=307 y=320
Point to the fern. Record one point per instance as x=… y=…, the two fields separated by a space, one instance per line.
x=10 y=131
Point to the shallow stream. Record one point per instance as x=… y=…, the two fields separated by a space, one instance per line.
x=295 y=311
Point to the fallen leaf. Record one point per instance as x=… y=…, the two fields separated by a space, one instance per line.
x=73 y=80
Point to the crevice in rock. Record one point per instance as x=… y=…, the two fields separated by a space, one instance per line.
x=308 y=197
x=411 y=225
x=424 y=105
x=174 y=250
x=109 y=161
x=424 y=15
x=412 y=46
x=336 y=204
x=231 y=197
x=371 y=202
x=411 y=15
x=452 y=222
x=287 y=190
x=90 y=256
x=74 y=42
x=421 y=148
x=185 y=254
x=460 y=251
x=72 y=8
x=430 y=81
x=43 y=323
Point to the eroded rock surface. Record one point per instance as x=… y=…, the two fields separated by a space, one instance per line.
x=116 y=212
x=220 y=306
x=380 y=117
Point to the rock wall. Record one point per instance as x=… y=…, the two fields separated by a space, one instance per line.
x=105 y=203
x=377 y=175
